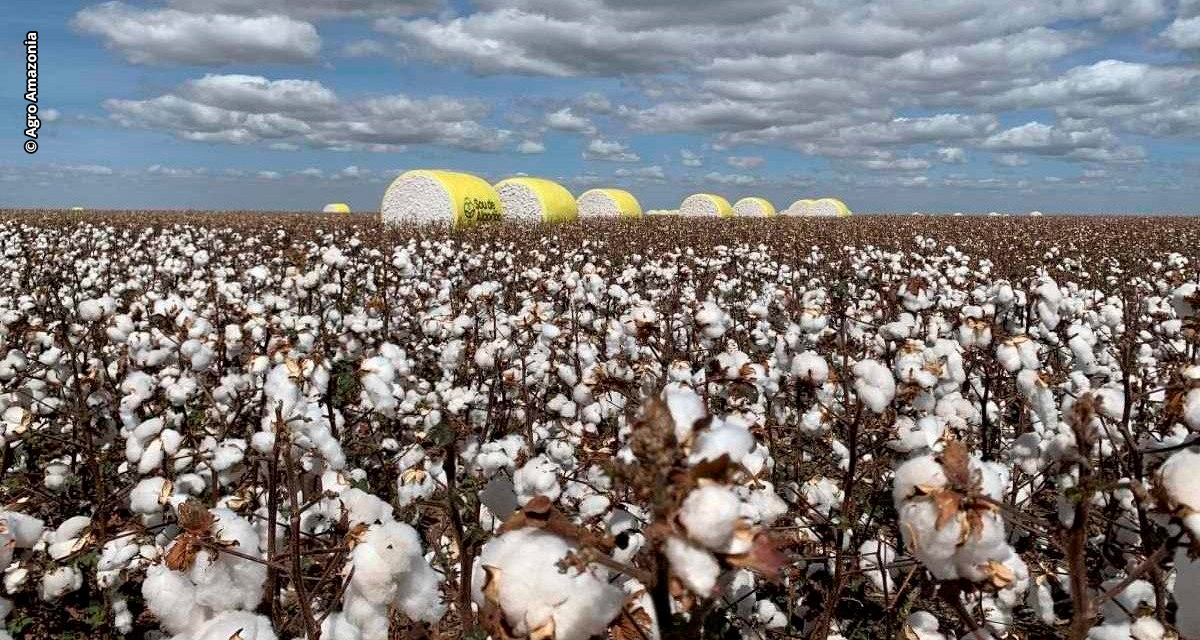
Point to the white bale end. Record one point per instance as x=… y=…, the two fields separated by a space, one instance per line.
x=336 y=207
x=439 y=197
x=706 y=205
x=609 y=203
x=754 y=208
x=536 y=200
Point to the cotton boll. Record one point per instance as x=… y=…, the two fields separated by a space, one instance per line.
x=722 y=439
x=874 y=557
x=242 y=624
x=150 y=495
x=1181 y=483
x=539 y=477
x=518 y=572
x=709 y=514
x=68 y=538
x=697 y=568
x=874 y=385
x=923 y=625
x=686 y=407
x=59 y=582
x=810 y=367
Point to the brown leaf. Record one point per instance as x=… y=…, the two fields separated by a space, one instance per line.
x=712 y=469
x=195 y=517
x=1000 y=574
x=182 y=555
x=947 y=503
x=544 y=632
x=631 y=625
x=955 y=460
x=763 y=558
x=491 y=584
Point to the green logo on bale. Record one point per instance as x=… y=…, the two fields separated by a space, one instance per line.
x=486 y=210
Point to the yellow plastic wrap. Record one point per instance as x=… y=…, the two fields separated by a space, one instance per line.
x=763 y=204
x=472 y=199
x=557 y=203
x=627 y=204
x=724 y=209
x=336 y=207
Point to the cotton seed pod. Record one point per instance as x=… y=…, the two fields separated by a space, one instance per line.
x=609 y=203
x=754 y=208
x=441 y=197
x=706 y=205
x=536 y=200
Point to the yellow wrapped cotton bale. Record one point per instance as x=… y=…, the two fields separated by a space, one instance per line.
x=706 y=205
x=336 y=207
x=440 y=197
x=76 y=209
x=609 y=203
x=829 y=208
x=754 y=208
x=800 y=207
x=536 y=200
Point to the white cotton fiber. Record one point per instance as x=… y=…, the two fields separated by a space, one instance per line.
x=709 y=515
x=697 y=568
x=417 y=199
x=608 y=203
x=754 y=208
x=520 y=569
x=705 y=205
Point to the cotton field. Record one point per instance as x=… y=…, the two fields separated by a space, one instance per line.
x=259 y=427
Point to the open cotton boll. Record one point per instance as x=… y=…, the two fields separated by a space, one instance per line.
x=518 y=573
x=709 y=515
x=923 y=625
x=539 y=477
x=874 y=557
x=232 y=624
x=916 y=435
x=150 y=495
x=68 y=538
x=810 y=367
x=697 y=568
x=874 y=385
x=1181 y=482
x=686 y=408
x=59 y=582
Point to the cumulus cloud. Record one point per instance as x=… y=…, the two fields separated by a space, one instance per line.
x=744 y=162
x=1096 y=144
x=566 y=120
x=653 y=173
x=1011 y=160
x=242 y=109
x=611 y=151
x=951 y=155
x=1184 y=33
x=530 y=147
x=312 y=9
x=733 y=179
x=689 y=158
x=170 y=36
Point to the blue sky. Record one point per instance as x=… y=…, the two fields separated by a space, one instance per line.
x=933 y=105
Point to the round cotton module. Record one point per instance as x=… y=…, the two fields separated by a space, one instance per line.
x=706 y=205
x=609 y=203
x=536 y=200
x=754 y=208
x=801 y=207
x=76 y=209
x=439 y=197
x=336 y=207
x=828 y=208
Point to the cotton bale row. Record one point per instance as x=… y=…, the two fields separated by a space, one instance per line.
x=609 y=203
x=336 y=207
x=706 y=205
x=754 y=208
x=536 y=200
x=440 y=197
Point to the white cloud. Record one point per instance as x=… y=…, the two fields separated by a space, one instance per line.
x=169 y=36
x=744 y=162
x=289 y=113
x=610 y=151
x=1183 y=33
x=730 y=179
x=896 y=164
x=529 y=147
x=311 y=9
x=951 y=155
x=1011 y=160
x=690 y=158
x=566 y=120
x=653 y=173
